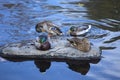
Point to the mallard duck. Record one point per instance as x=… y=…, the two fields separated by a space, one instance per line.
x=78 y=31
x=80 y=44
x=49 y=27
x=42 y=43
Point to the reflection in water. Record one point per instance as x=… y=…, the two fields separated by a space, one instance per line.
x=42 y=65
x=106 y=48
x=77 y=66
x=80 y=68
x=8 y=5
x=113 y=39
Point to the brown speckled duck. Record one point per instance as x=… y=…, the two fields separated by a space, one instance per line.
x=49 y=27
x=80 y=44
x=42 y=43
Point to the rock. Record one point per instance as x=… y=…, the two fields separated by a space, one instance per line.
x=2 y=59
x=60 y=50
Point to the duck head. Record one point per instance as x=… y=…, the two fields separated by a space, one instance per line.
x=72 y=31
x=42 y=39
x=40 y=27
x=73 y=28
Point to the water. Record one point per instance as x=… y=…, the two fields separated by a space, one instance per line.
x=17 y=22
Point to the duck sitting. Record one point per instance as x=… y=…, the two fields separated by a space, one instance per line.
x=42 y=43
x=80 y=44
x=49 y=27
x=79 y=31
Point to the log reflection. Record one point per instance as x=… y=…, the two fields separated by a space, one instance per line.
x=77 y=66
x=80 y=66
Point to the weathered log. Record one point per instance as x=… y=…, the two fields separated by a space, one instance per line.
x=60 y=50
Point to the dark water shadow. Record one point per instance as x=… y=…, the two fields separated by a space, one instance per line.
x=105 y=13
x=106 y=48
x=101 y=9
x=113 y=39
x=79 y=66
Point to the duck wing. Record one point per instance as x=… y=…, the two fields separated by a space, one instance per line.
x=58 y=31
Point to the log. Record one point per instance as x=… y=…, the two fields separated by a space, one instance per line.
x=61 y=49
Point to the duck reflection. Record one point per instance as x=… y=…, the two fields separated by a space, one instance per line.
x=81 y=68
x=42 y=65
x=77 y=66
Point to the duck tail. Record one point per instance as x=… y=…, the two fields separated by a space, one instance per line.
x=89 y=27
x=84 y=31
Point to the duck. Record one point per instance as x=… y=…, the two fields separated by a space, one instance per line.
x=79 y=31
x=42 y=43
x=80 y=44
x=49 y=27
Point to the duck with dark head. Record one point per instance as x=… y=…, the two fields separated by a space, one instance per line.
x=42 y=43
x=79 y=31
